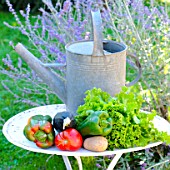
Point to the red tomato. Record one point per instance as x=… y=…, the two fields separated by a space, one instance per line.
x=69 y=139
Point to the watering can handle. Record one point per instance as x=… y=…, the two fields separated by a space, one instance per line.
x=135 y=65
x=97 y=34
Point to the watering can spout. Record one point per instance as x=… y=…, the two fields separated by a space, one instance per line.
x=53 y=80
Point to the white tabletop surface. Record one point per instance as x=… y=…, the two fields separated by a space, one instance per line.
x=13 y=131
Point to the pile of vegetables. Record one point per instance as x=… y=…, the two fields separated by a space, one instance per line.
x=102 y=122
x=40 y=130
x=130 y=126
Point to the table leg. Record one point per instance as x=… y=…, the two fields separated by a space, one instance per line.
x=67 y=163
x=79 y=162
x=114 y=161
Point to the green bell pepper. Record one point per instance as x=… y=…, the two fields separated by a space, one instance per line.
x=97 y=123
x=40 y=130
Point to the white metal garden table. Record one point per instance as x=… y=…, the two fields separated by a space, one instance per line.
x=13 y=131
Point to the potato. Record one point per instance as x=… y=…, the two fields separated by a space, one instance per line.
x=96 y=143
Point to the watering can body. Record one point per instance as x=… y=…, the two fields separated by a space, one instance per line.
x=85 y=71
x=89 y=64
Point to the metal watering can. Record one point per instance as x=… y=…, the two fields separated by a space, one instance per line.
x=91 y=63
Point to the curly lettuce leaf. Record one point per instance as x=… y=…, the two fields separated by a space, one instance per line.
x=131 y=126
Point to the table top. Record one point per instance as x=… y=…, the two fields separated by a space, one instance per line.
x=13 y=131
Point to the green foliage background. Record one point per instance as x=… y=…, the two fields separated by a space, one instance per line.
x=12 y=157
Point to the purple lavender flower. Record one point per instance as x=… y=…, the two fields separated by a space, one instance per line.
x=144 y=164
x=67 y=5
x=19 y=63
x=110 y=156
x=11 y=44
x=13 y=12
x=24 y=32
x=147 y=150
x=22 y=13
x=98 y=165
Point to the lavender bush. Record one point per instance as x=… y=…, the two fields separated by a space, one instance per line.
x=145 y=29
x=49 y=34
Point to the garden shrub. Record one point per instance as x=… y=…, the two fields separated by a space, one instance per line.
x=145 y=29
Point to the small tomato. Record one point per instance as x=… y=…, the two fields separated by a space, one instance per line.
x=69 y=139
